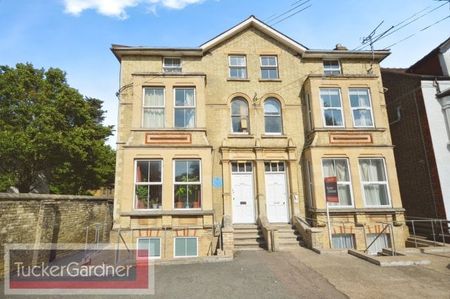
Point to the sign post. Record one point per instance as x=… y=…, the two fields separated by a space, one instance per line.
x=331 y=194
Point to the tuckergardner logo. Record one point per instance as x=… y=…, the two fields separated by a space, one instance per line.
x=73 y=269
x=76 y=269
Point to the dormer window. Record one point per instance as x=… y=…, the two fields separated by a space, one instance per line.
x=172 y=65
x=331 y=67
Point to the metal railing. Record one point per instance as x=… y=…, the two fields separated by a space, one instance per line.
x=391 y=235
x=431 y=228
x=315 y=222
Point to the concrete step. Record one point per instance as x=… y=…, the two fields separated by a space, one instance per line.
x=252 y=235
x=248 y=248
x=247 y=231
x=410 y=242
x=284 y=242
x=245 y=242
x=244 y=226
x=288 y=234
x=249 y=240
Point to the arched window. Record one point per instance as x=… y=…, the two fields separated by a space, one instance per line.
x=239 y=116
x=272 y=116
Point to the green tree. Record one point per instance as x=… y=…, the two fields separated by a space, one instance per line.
x=49 y=131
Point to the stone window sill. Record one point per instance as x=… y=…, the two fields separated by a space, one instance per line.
x=270 y=80
x=274 y=136
x=238 y=80
x=243 y=136
x=184 y=212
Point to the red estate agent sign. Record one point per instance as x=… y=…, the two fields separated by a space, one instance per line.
x=331 y=191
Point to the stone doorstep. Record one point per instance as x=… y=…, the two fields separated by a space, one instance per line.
x=329 y=251
x=194 y=260
x=445 y=249
x=390 y=261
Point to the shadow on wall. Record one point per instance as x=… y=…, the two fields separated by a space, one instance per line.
x=44 y=218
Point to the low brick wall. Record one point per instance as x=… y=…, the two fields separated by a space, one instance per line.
x=46 y=218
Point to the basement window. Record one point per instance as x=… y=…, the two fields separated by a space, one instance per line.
x=149 y=248
x=186 y=247
x=343 y=241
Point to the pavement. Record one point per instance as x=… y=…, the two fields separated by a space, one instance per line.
x=299 y=273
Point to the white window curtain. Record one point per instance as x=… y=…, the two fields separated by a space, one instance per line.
x=361 y=107
x=373 y=177
x=339 y=169
x=153 y=108
x=343 y=241
x=331 y=107
x=383 y=241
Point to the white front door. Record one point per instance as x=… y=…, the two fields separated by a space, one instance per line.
x=242 y=193
x=276 y=193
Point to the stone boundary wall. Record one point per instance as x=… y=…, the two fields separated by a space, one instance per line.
x=47 y=218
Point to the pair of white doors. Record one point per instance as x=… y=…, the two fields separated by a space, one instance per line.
x=243 y=197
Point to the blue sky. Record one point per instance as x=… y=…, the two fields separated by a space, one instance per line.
x=75 y=35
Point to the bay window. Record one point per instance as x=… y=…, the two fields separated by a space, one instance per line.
x=148 y=184
x=184 y=107
x=361 y=107
x=153 y=107
x=374 y=182
x=331 y=104
x=339 y=168
x=187 y=184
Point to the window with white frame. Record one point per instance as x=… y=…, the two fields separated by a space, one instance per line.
x=240 y=122
x=274 y=167
x=380 y=241
x=148 y=184
x=149 y=247
x=153 y=107
x=361 y=107
x=331 y=67
x=272 y=116
x=172 y=65
x=187 y=184
x=184 y=107
x=374 y=182
x=310 y=184
x=238 y=66
x=308 y=112
x=330 y=99
x=343 y=241
x=339 y=168
x=186 y=247
x=269 y=67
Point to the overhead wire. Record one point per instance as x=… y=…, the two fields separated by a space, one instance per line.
x=386 y=34
x=276 y=16
x=423 y=29
x=291 y=15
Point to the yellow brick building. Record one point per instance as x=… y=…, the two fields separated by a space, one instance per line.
x=227 y=146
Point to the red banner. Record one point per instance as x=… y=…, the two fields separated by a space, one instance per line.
x=331 y=191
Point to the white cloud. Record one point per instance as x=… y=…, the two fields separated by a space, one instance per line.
x=176 y=4
x=117 y=8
